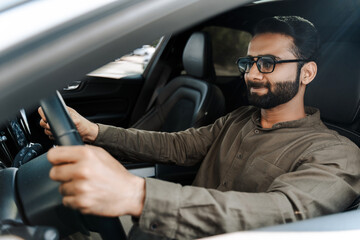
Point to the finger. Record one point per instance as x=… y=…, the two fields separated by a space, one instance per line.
x=62 y=173
x=66 y=189
x=48 y=132
x=68 y=154
x=72 y=202
x=72 y=188
x=41 y=113
x=44 y=124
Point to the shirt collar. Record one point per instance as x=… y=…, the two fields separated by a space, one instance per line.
x=312 y=118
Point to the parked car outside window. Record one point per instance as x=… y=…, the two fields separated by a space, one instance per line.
x=133 y=63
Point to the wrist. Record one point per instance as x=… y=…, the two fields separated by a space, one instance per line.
x=92 y=133
x=139 y=197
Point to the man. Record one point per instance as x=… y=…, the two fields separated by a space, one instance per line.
x=264 y=165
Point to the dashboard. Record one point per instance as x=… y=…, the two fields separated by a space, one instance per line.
x=15 y=144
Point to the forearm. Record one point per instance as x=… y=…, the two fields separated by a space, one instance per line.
x=192 y=212
x=183 y=148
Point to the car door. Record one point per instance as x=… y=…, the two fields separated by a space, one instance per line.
x=103 y=99
x=108 y=94
x=111 y=94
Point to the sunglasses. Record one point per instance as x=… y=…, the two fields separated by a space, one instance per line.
x=265 y=64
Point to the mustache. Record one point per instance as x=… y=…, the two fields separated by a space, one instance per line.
x=256 y=84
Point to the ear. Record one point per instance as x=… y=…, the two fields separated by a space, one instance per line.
x=308 y=72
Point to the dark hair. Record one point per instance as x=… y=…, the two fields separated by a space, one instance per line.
x=303 y=32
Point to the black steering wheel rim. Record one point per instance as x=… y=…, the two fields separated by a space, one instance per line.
x=61 y=124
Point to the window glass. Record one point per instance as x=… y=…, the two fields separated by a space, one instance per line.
x=227 y=45
x=133 y=63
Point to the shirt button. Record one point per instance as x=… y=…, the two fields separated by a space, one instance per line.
x=153 y=226
x=256 y=131
x=239 y=155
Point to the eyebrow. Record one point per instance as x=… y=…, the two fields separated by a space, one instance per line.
x=264 y=55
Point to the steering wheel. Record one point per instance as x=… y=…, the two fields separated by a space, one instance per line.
x=39 y=195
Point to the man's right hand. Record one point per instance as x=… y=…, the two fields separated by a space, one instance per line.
x=87 y=130
x=94 y=182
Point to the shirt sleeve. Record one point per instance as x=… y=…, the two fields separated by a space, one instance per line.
x=325 y=181
x=182 y=148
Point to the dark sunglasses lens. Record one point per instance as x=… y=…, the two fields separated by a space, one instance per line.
x=243 y=64
x=266 y=64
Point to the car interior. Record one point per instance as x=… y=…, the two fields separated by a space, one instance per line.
x=190 y=81
x=189 y=100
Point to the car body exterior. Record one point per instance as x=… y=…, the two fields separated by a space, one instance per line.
x=144 y=50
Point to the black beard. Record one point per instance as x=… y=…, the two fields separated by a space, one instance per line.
x=283 y=93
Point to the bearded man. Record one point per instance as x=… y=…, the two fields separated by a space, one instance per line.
x=270 y=163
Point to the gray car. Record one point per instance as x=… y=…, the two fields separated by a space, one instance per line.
x=51 y=44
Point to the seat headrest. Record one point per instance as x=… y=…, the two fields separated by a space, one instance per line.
x=197 y=57
x=336 y=88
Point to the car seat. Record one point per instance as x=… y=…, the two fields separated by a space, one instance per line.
x=336 y=90
x=190 y=100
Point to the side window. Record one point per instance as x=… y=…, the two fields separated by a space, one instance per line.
x=227 y=45
x=133 y=63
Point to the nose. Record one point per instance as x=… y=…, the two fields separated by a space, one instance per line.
x=254 y=73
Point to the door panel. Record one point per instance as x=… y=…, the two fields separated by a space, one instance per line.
x=105 y=100
x=109 y=101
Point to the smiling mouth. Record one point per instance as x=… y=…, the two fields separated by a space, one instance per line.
x=259 y=90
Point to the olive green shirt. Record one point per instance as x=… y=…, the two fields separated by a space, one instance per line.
x=250 y=177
